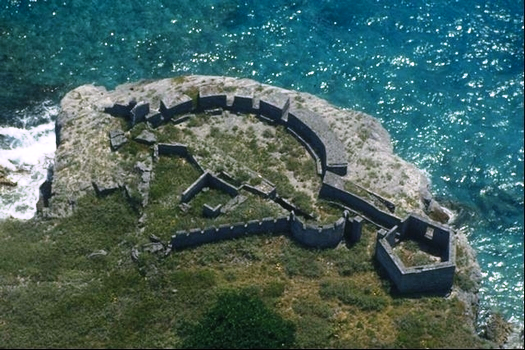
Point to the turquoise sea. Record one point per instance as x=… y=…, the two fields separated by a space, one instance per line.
x=444 y=77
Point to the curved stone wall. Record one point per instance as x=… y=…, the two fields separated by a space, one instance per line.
x=326 y=236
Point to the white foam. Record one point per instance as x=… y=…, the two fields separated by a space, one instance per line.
x=28 y=156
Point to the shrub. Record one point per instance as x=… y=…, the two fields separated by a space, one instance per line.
x=311 y=307
x=273 y=289
x=240 y=321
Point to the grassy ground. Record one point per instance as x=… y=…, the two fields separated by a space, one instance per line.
x=72 y=283
x=52 y=294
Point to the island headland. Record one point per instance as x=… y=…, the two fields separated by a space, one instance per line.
x=243 y=158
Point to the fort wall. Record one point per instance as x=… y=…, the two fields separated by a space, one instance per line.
x=317 y=236
x=210 y=97
x=243 y=104
x=175 y=104
x=431 y=277
x=333 y=188
x=417 y=228
x=325 y=236
x=275 y=107
x=312 y=131
x=183 y=239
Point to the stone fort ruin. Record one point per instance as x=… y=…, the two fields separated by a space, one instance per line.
x=328 y=152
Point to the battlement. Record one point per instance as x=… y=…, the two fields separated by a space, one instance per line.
x=437 y=276
x=324 y=236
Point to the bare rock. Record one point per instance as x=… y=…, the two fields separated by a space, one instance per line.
x=4 y=181
x=146 y=137
x=117 y=138
x=437 y=213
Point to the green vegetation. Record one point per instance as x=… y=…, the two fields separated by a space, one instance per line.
x=243 y=158
x=413 y=253
x=240 y=321
x=73 y=282
x=54 y=295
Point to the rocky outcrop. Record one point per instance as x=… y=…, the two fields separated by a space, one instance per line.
x=4 y=180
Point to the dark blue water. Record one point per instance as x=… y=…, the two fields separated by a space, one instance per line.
x=444 y=77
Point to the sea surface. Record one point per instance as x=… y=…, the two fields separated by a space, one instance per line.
x=444 y=77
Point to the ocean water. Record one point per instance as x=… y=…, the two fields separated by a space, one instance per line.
x=444 y=77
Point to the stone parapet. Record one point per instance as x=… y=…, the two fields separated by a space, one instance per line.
x=314 y=130
x=211 y=97
x=323 y=236
x=172 y=105
x=432 y=277
x=275 y=106
x=332 y=188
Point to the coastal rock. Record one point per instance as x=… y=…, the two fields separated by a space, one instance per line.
x=83 y=156
x=4 y=181
x=437 y=213
x=88 y=115
x=497 y=329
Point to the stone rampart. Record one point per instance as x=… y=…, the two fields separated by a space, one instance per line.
x=121 y=109
x=220 y=184
x=267 y=193
x=329 y=153
x=325 y=236
x=333 y=188
x=314 y=130
x=433 y=278
x=208 y=180
x=417 y=228
x=211 y=97
x=353 y=229
x=195 y=188
x=175 y=104
x=292 y=207
x=178 y=149
x=275 y=107
x=320 y=236
x=437 y=276
x=183 y=239
x=138 y=113
x=211 y=212
x=311 y=151
x=243 y=104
